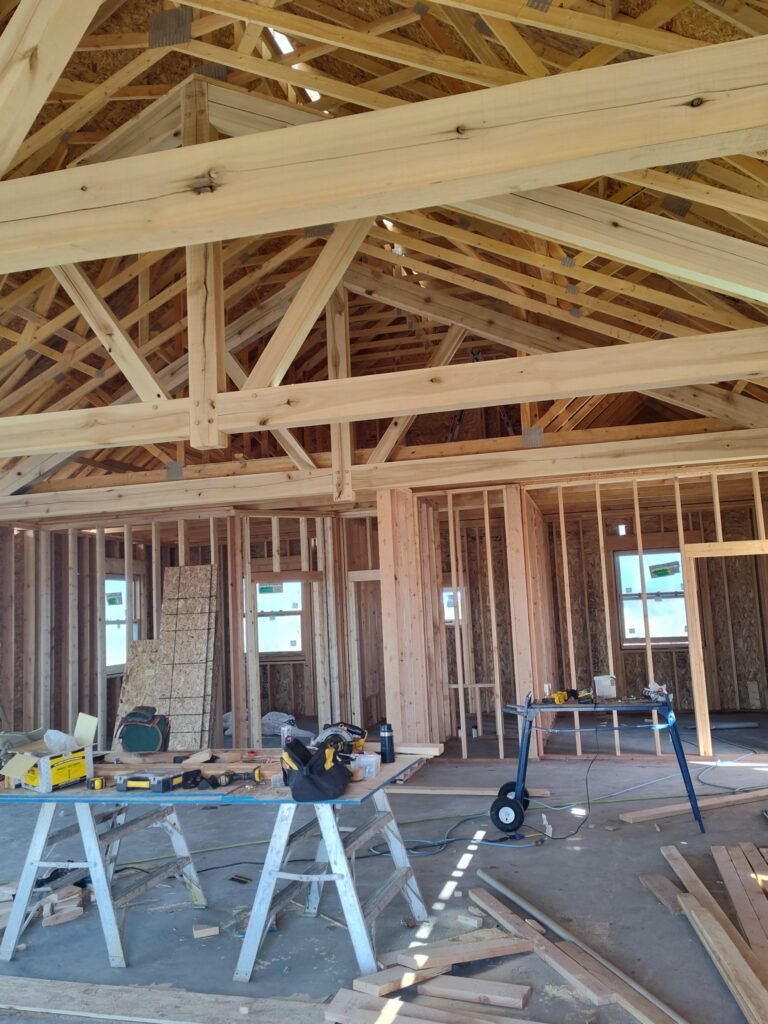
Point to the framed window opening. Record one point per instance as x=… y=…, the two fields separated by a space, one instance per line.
x=281 y=620
x=449 y=602
x=664 y=600
x=116 y=627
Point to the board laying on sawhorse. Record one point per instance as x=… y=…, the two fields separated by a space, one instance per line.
x=509 y=807
x=101 y=836
x=334 y=863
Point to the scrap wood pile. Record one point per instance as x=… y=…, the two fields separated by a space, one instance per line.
x=454 y=1000
x=739 y=954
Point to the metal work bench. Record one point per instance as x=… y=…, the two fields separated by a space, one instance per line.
x=508 y=809
x=101 y=834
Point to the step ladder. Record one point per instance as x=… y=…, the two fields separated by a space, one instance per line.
x=101 y=834
x=334 y=863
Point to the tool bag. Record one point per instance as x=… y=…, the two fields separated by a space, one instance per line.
x=143 y=730
x=314 y=775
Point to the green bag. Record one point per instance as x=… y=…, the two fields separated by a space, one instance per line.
x=144 y=731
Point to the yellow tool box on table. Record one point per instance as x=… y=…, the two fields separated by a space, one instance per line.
x=38 y=769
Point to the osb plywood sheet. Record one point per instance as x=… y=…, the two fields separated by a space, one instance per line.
x=175 y=673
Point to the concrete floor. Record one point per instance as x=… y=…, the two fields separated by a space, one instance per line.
x=589 y=882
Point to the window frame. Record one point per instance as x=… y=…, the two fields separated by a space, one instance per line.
x=137 y=596
x=626 y=643
x=283 y=656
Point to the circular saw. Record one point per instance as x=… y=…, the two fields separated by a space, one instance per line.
x=346 y=738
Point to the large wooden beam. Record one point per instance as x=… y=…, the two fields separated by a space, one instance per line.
x=205 y=342
x=508 y=138
x=339 y=368
x=510 y=332
x=286 y=486
x=315 y=290
x=681 y=251
x=655 y=364
x=34 y=49
x=107 y=329
x=205 y=296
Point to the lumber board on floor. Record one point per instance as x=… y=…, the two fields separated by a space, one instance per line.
x=738 y=882
x=664 y=889
x=744 y=984
x=477 y=990
x=706 y=803
x=688 y=877
x=422 y=957
x=144 y=1005
x=636 y=1005
x=393 y=979
x=348 y=1007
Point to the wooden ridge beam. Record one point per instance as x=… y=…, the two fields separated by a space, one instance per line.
x=508 y=138
x=681 y=251
x=290 y=486
x=34 y=49
x=654 y=364
x=107 y=329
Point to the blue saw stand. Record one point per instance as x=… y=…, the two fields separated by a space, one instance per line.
x=508 y=809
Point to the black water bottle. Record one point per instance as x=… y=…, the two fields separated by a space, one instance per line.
x=387 y=743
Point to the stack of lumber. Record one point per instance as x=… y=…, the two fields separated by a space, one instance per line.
x=455 y=1000
x=427 y=966
x=63 y=905
x=177 y=672
x=739 y=954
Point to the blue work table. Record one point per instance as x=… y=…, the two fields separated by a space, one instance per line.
x=508 y=809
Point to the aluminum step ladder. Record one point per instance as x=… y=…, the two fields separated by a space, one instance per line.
x=101 y=835
x=333 y=864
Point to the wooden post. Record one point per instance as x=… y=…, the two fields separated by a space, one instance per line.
x=646 y=619
x=695 y=644
x=458 y=609
x=212 y=540
x=101 y=641
x=606 y=607
x=7 y=629
x=252 y=672
x=238 y=690
x=405 y=677
x=568 y=612
x=183 y=542
x=519 y=599
x=319 y=628
x=157 y=580
x=44 y=629
x=29 y=718
x=759 y=516
x=495 y=659
x=130 y=612
x=73 y=635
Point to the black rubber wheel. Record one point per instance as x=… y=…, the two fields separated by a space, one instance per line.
x=507 y=814
x=508 y=790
